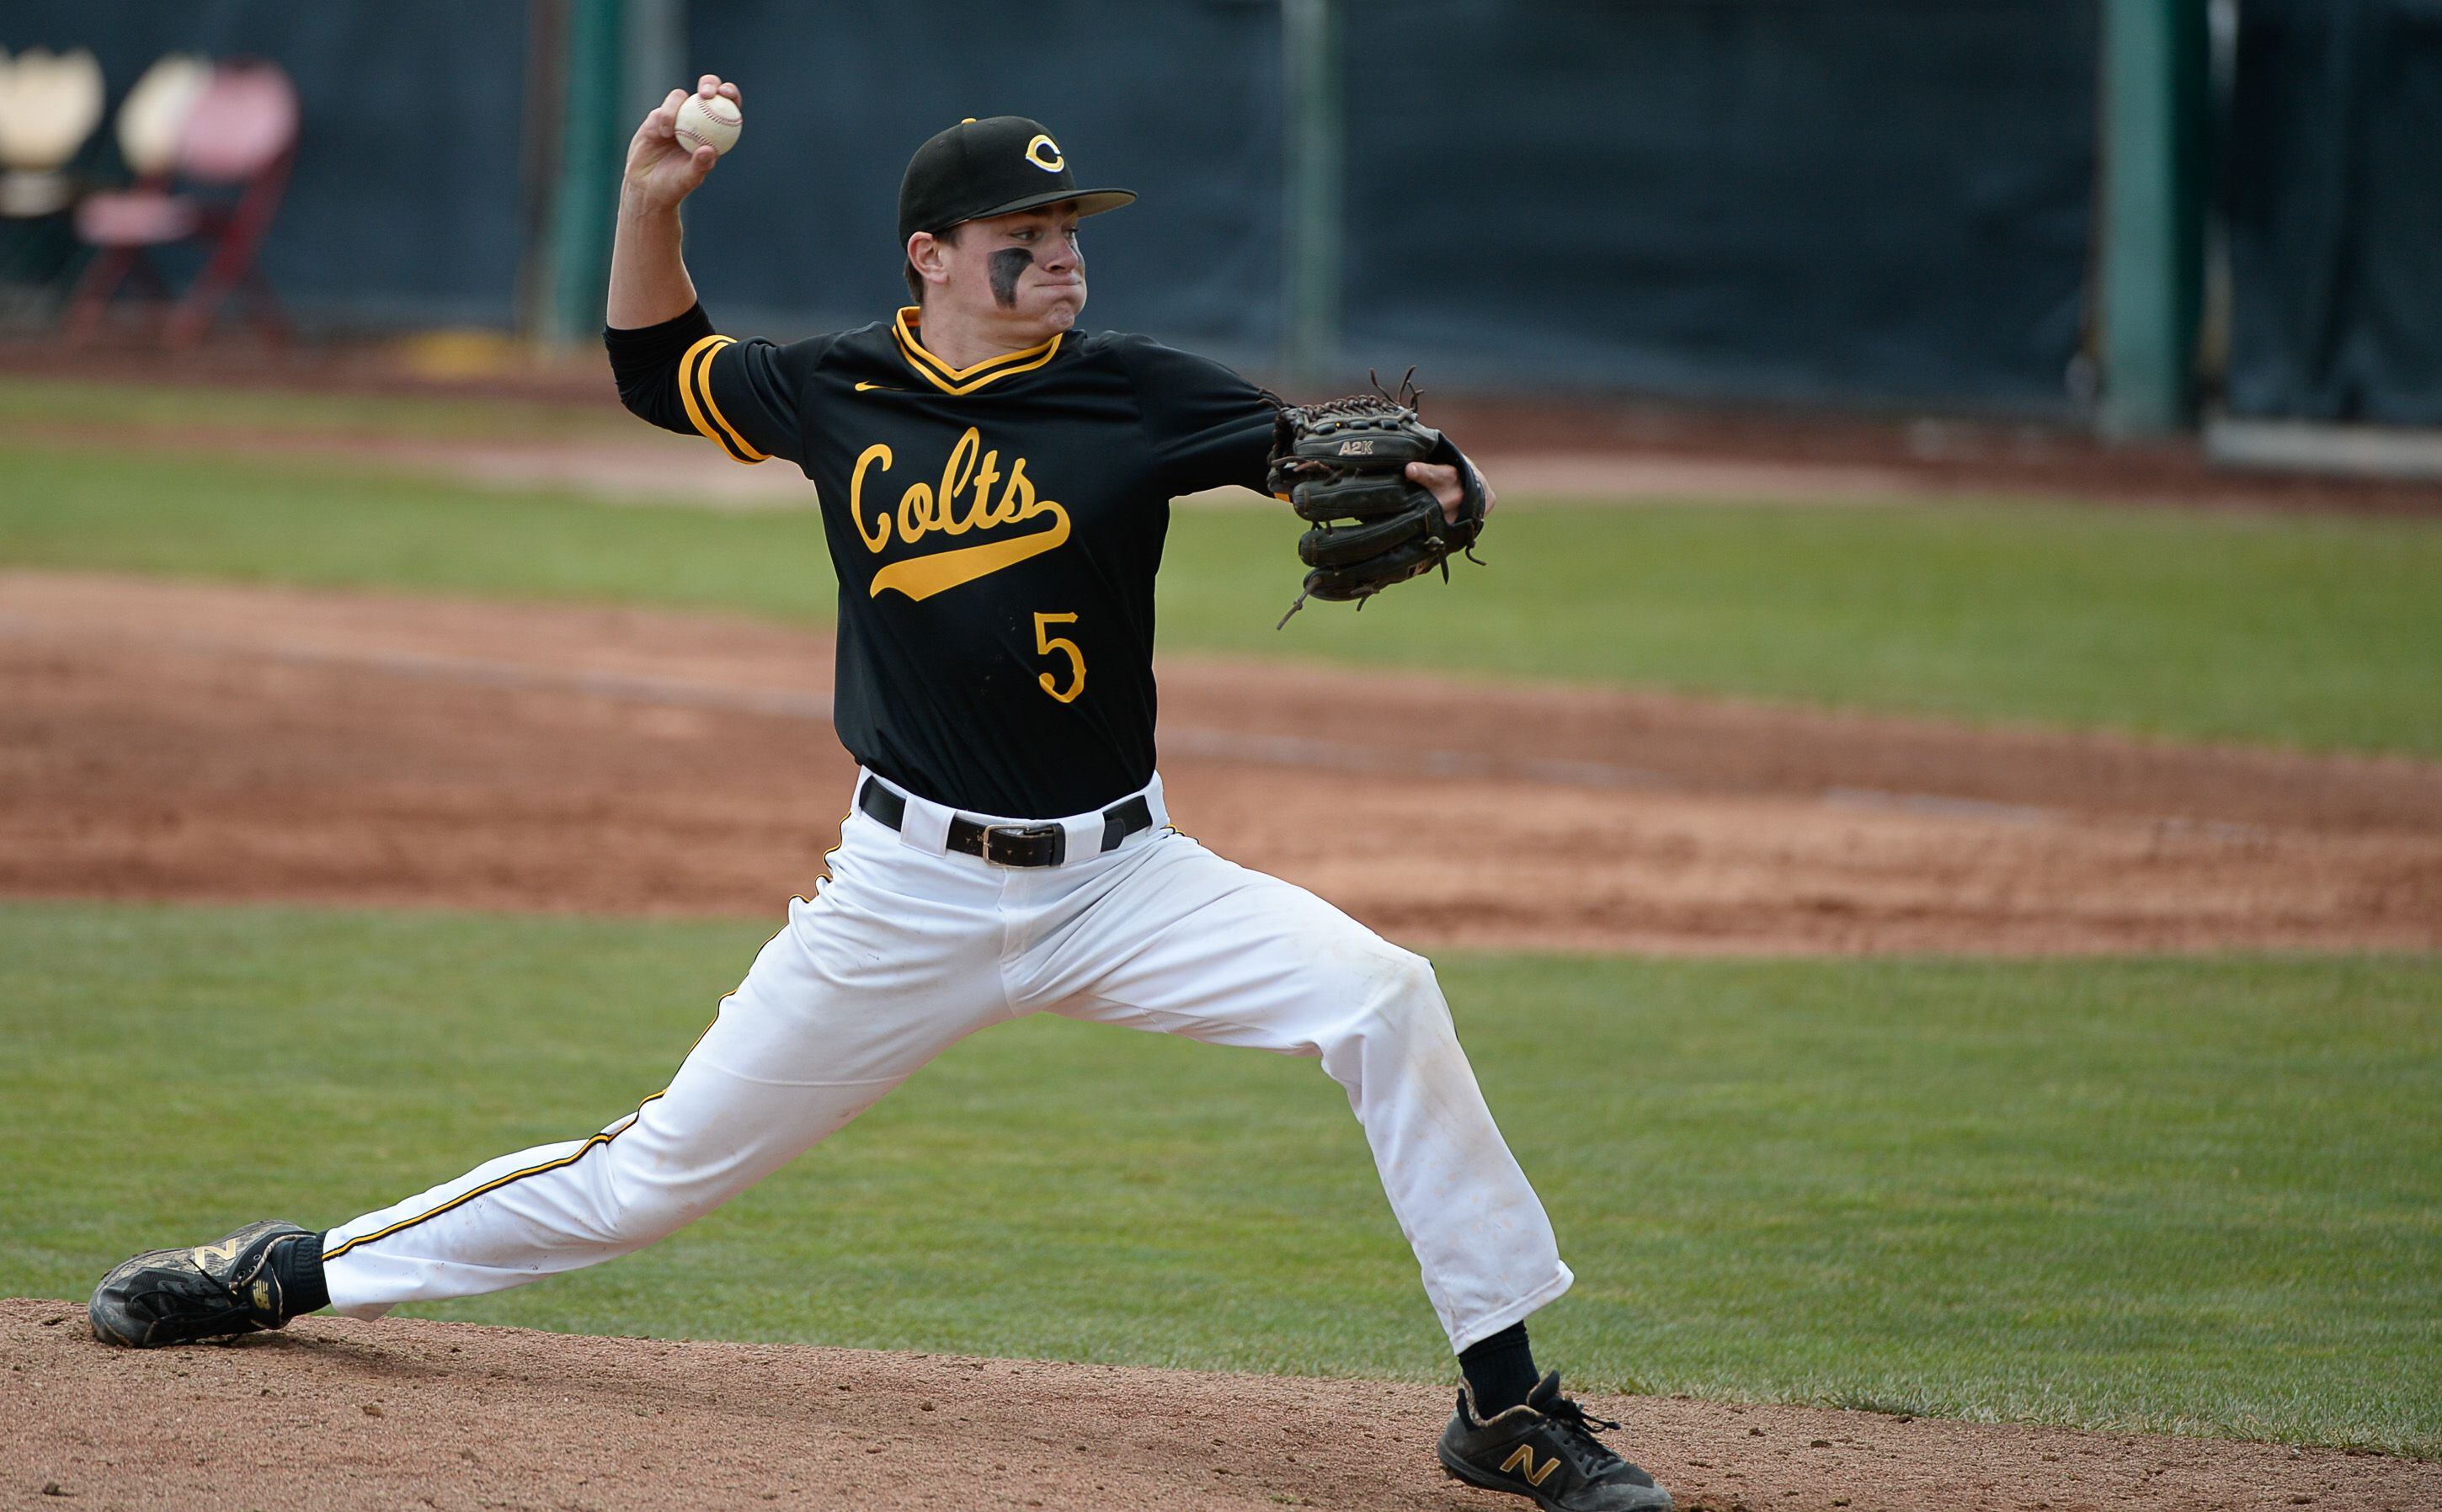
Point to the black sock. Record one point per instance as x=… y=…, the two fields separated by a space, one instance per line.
x=1500 y=1370
x=298 y=1263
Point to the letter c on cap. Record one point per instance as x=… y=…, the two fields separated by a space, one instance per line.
x=1045 y=153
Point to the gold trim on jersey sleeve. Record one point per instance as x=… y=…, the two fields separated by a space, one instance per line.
x=968 y=379
x=695 y=391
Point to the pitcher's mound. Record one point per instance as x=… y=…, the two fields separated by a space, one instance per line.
x=331 y=1414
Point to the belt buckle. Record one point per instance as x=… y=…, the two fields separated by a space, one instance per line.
x=1016 y=831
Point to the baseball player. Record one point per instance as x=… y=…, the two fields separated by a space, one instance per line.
x=994 y=488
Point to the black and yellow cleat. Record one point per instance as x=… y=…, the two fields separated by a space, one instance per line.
x=1546 y=1449
x=176 y=1295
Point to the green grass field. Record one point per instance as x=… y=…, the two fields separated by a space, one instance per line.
x=2287 y=630
x=2191 y=1195
x=2195 y=1194
x=29 y=406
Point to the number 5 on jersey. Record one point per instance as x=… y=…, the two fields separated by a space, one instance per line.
x=1047 y=644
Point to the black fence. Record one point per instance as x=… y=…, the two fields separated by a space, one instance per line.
x=405 y=205
x=1846 y=202
x=798 y=229
x=2333 y=190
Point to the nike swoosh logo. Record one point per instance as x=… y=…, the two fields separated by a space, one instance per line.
x=921 y=577
x=883 y=387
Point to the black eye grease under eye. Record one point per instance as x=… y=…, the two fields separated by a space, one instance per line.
x=1007 y=264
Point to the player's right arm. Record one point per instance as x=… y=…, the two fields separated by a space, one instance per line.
x=649 y=277
x=671 y=366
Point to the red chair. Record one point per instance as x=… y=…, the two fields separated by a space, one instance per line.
x=241 y=132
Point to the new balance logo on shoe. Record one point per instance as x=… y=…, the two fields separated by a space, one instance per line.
x=1545 y=1451
x=1525 y=1458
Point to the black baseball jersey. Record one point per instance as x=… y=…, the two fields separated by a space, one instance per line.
x=996 y=530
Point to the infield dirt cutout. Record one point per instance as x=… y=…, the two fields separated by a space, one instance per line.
x=333 y=1413
x=173 y=740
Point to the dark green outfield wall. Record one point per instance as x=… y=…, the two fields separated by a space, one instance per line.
x=1874 y=199
x=404 y=204
x=1829 y=201
x=2334 y=196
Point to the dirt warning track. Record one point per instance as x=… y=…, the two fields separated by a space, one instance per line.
x=177 y=741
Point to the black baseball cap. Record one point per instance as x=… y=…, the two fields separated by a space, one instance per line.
x=996 y=166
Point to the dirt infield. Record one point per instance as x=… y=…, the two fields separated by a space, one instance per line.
x=170 y=740
x=330 y=1414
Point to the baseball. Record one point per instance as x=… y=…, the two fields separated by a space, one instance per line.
x=712 y=124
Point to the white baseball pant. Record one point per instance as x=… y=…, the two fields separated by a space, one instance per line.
x=909 y=947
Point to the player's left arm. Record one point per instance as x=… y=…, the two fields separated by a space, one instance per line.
x=1441 y=479
x=1214 y=428
x=1207 y=427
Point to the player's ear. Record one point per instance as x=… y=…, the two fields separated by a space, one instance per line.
x=924 y=253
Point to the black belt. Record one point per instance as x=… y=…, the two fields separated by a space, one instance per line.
x=1010 y=845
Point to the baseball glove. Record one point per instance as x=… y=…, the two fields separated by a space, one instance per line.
x=1342 y=465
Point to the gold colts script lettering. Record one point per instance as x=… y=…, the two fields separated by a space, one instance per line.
x=961 y=504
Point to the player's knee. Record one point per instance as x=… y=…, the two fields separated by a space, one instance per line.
x=1403 y=993
x=1413 y=978
x=1392 y=1015
x=640 y=1211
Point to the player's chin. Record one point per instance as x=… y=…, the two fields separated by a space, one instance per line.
x=1059 y=304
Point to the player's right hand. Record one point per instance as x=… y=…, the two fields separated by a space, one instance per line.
x=660 y=171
